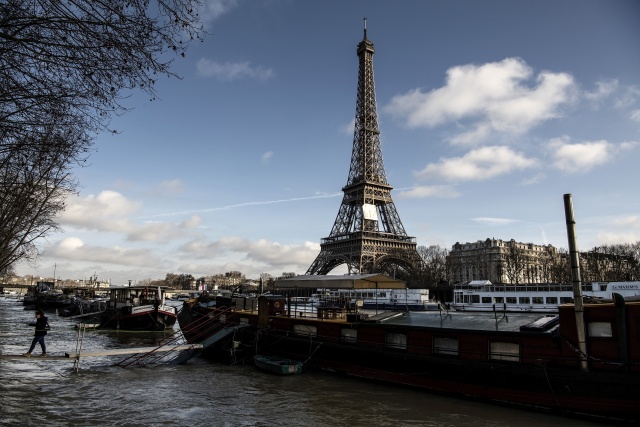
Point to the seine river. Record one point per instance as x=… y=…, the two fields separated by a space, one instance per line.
x=204 y=393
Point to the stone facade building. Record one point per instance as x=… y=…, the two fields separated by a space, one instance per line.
x=501 y=261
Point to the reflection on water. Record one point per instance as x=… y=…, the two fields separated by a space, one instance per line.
x=207 y=394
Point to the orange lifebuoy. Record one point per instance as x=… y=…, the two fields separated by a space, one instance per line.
x=276 y=304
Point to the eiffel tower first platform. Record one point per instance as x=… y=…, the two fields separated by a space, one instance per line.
x=367 y=235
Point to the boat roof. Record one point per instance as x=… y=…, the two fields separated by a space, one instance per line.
x=478 y=321
x=479 y=282
x=353 y=281
x=141 y=287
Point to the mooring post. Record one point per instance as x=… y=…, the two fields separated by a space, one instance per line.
x=576 y=281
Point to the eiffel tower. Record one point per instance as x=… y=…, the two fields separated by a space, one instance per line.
x=356 y=238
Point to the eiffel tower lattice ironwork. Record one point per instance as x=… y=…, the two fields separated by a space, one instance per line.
x=368 y=234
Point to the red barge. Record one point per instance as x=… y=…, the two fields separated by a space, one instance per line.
x=525 y=360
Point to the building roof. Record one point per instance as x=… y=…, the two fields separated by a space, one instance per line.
x=354 y=281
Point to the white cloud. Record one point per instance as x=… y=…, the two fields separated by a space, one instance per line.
x=213 y=9
x=537 y=178
x=620 y=230
x=266 y=157
x=629 y=221
x=579 y=157
x=610 y=238
x=481 y=163
x=603 y=90
x=494 y=222
x=257 y=203
x=157 y=231
x=635 y=116
x=628 y=97
x=111 y=212
x=348 y=128
x=91 y=211
x=494 y=97
x=260 y=252
x=420 y=192
x=73 y=248
x=171 y=186
x=230 y=71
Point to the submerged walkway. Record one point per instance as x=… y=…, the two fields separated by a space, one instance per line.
x=113 y=352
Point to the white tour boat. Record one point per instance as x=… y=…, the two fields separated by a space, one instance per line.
x=482 y=295
x=377 y=299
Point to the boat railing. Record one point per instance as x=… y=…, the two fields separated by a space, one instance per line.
x=196 y=332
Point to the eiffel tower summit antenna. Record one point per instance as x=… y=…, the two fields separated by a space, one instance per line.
x=368 y=235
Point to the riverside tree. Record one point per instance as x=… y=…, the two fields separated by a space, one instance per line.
x=66 y=67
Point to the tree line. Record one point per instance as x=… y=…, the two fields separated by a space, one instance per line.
x=606 y=263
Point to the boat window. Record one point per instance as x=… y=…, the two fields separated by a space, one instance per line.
x=475 y=299
x=349 y=335
x=499 y=300
x=512 y=300
x=599 y=329
x=444 y=345
x=305 y=330
x=396 y=340
x=244 y=321
x=566 y=300
x=504 y=351
x=524 y=300
x=552 y=300
x=486 y=300
x=537 y=300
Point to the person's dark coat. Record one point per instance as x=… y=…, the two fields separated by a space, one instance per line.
x=42 y=325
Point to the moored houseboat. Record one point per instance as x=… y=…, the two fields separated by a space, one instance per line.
x=483 y=356
x=138 y=308
x=482 y=295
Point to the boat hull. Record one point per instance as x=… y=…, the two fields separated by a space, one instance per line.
x=542 y=388
x=596 y=395
x=141 y=320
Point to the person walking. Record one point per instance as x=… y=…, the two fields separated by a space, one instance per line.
x=42 y=326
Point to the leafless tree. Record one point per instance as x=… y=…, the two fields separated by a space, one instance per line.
x=434 y=264
x=515 y=261
x=610 y=263
x=34 y=181
x=548 y=259
x=66 y=67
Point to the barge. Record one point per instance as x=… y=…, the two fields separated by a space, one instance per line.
x=490 y=357
x=138 y=308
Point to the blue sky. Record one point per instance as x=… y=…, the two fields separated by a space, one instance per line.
x=489 y=112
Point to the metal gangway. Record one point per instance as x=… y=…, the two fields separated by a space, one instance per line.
x=201 y=334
